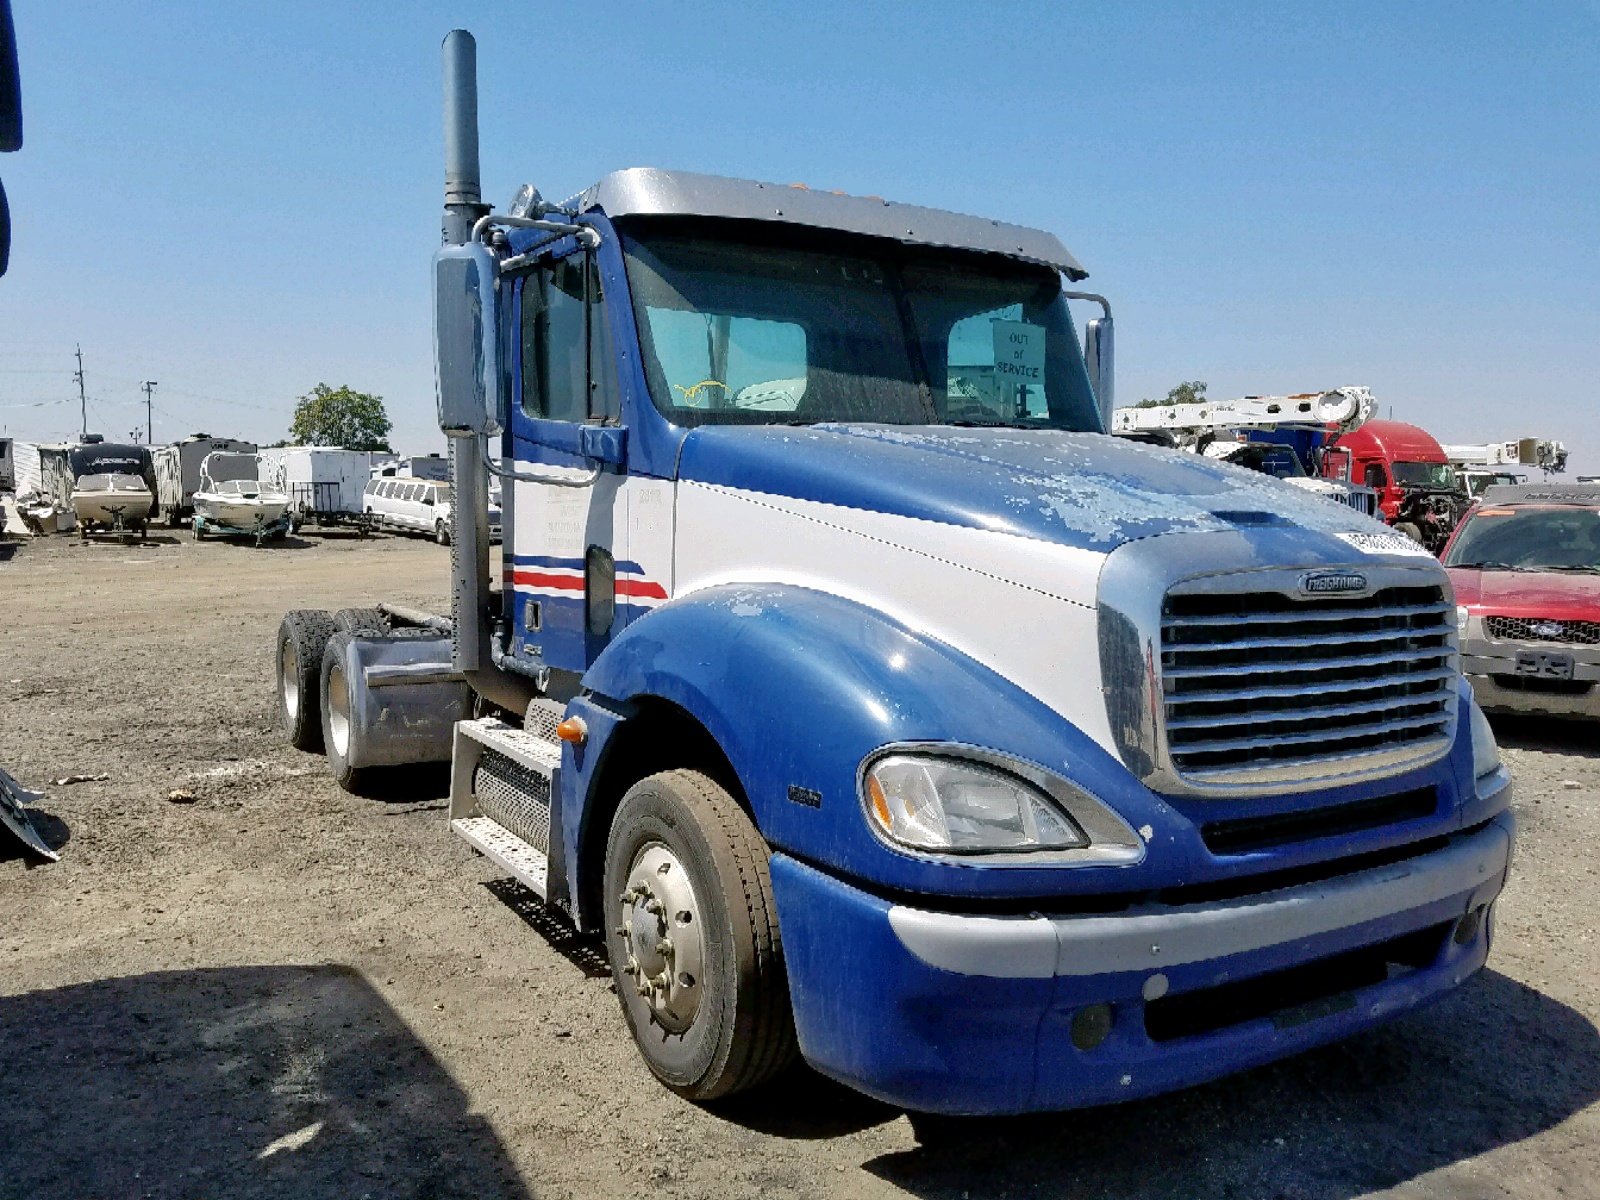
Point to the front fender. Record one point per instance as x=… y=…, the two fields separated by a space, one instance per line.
x=798 y=686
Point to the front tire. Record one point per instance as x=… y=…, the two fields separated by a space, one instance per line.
x=302 y=637
x=1411 y=530
x=693 y=937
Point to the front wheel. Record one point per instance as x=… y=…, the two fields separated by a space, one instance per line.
x=693 y=937
x=1411 y=530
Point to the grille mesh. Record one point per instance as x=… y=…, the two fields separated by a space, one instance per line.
x=514 y=796
x=1263 y=685
x=1539 y=629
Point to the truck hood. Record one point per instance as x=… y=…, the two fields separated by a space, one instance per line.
x=1555 y=594
x=1085 y=490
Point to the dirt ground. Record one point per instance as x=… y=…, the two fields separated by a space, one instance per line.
x=283 y=990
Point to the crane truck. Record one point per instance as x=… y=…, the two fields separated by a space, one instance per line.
x=873 y=705
x=1251 y=433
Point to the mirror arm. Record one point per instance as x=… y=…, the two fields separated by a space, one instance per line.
x=1104 y=304
x=584 y=233
x=559 y=481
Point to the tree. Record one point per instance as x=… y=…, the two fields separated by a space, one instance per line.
x=1193 y=392
x=340 y=416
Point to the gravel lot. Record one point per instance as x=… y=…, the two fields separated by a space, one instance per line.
x=282 y=990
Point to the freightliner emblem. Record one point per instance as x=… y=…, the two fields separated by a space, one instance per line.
x=1323 y=582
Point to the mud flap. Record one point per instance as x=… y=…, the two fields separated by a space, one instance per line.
x=15 y=817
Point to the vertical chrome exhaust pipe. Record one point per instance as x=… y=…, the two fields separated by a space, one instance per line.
x=469 y=516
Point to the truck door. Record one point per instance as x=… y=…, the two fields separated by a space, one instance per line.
x=568 y=539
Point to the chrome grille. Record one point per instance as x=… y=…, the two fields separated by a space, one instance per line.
x=1543 y=629
x=515 y=797
x=1265 y=686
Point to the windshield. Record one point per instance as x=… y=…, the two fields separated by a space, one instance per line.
x=794 y=331
x=1529 y=539
x=1424 y=475
x=1477 y=483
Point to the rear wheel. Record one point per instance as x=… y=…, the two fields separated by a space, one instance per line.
x=302 y=637
x=360 y=620
x=693 y=937
x=339 y=730
x=441 y=533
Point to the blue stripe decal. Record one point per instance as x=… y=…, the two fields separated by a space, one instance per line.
x=569 y=564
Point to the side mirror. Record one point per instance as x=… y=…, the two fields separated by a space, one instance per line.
x=1099 y=357
x=10 y=117
x=466 y=341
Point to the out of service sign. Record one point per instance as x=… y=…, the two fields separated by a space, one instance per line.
x=1018 y=352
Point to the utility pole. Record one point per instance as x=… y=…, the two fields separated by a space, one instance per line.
x=149 y=386
x=83 y=399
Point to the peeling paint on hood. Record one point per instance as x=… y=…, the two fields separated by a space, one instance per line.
x=1086 y=490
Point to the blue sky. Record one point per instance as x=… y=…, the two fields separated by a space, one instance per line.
x=239 y=200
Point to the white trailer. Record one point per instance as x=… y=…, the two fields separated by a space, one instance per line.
x=324 y=483
x=414 y=466
x=178 y=471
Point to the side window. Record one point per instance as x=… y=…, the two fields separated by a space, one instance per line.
x=1375 y=476
x=555 y=381
x=723 y=363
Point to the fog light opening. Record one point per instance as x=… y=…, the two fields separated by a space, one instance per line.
x=1090 y=1026
x=1467 y=927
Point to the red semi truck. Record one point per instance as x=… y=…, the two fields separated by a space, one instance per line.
x=1417 y=489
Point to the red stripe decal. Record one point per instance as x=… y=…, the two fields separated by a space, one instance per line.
x=569 y=583
x=645 y=588
x=641 y=587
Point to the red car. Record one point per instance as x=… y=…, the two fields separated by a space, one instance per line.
x=1525 y=562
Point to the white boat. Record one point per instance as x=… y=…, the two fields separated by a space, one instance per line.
x=231 y=495
x=112 y=501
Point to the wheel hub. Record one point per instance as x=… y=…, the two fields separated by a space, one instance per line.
x=661 y=936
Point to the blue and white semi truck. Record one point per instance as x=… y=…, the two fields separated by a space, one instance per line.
x=875 y=705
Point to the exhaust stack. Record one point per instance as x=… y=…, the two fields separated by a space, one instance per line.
x=463 y=190
x=471 y=596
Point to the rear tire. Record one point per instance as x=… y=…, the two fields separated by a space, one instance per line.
x=441 y=533
x=360 y=620
x=728 y=1025
x=338 y=730
x=302 y=637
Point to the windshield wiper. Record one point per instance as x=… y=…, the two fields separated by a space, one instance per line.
x=1488 y=566
x=1575 y=570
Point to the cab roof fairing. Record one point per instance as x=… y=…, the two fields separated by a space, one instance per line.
x=649 y=191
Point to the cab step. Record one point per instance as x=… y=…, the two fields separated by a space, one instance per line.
x=501 y=783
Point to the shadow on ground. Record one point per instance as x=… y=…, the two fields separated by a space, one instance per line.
x=1553 y=735
x=253 y=1081
x=1494 y=1064
x=52 y=830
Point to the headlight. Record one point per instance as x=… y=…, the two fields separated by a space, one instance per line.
x=1461 y=619
x=934 y=803
x=1485 y=750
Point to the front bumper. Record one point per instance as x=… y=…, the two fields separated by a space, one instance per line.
x=954 y=1013
x=1490 y=665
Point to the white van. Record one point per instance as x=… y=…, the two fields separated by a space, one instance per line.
x=416 y=505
